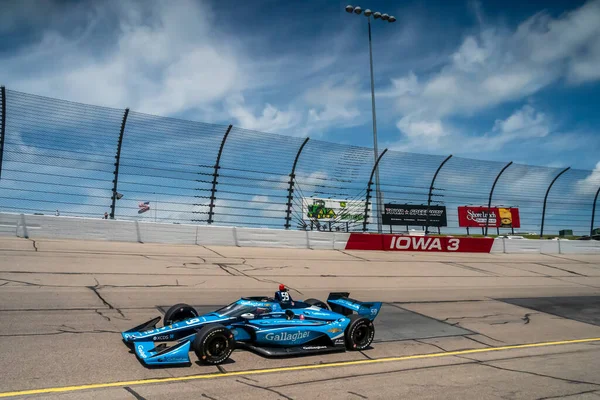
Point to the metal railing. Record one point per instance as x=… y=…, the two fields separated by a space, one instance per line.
x=73 y=159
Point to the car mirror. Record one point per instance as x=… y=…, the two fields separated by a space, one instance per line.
x=248 y=316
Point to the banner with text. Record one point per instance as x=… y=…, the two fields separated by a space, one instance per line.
x=387 y=242
x=475 y=217
x=410 y=214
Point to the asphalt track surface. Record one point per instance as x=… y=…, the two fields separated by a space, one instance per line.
x=454 y=326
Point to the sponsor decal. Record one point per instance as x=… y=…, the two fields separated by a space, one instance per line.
x=141 y=351
x=334 y=330
x=285 y=336
x=163 y=337
x=321 y=314
x=157 y=330
x=313 y=347
x=338 y=341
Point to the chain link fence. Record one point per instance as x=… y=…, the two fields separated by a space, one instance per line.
x=70 y=159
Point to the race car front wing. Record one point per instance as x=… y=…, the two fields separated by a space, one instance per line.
x=150 y=354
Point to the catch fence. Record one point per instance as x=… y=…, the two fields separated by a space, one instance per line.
x=64 y=158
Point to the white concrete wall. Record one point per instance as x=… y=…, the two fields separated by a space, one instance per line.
x=51 y=227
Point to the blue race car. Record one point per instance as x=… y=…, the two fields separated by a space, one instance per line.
x=268 y=326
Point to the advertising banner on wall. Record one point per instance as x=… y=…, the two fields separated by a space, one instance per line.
x=385 y=242
x=334 y=210
x=409 y=214
x=475 y=217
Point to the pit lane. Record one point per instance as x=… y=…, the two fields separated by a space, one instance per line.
x=64 y=302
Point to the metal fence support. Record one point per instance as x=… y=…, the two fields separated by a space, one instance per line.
x=487 y=218
x=369 y=189
x=2 y=126
x=546 y=198
x=117 y=161
x=430 y=193
x=290 y=196
x=594 y=213
x=215 y=175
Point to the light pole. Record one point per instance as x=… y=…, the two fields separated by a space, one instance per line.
x=384 y=17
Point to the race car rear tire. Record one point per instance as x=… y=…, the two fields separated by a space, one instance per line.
x=359 y=333
x=318 y=303
x=213 y=344
x=179 y=312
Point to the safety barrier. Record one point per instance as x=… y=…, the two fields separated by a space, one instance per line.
x=51 y=227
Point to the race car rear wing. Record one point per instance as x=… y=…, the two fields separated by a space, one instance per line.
x=341 y=303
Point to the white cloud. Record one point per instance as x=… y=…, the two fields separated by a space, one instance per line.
x=154 y=62
x=523 y=123
x=420 y=134
x=496 y=65
x=591 y=183
x=271 y=119
x=316 y=110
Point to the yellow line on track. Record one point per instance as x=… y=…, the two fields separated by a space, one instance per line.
x=287 y=369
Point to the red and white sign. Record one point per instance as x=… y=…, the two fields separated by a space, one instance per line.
x=365 y=241
x=476 y=217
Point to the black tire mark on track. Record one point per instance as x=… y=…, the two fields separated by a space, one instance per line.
x=352 y=255
x=564 y=396
x=560 y=269
x=265 y=388
x=134 y=393
x=485 y=363
x=477 y=341
x=358 y=395
x=483 y=271
x=214 y=251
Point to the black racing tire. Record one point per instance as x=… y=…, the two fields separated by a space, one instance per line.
x=213 y=344
x=318 y=303
x=359 y=333
x=179 y=312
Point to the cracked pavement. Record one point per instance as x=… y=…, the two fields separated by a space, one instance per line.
x=64 y=303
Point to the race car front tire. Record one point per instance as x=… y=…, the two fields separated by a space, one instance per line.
x=359 y=333
x=318 y=303
x=213 y=344
x=179 y=312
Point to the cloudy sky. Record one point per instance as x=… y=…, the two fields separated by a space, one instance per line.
x=489 y=80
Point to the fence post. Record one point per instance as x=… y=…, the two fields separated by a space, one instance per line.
x=369 y=190
x=2 y=126
x=117 y=161
x=594 y=212
x=487 y=217
x=430 y=193
x=546 y=198
x=291 y=187
x=215 y=175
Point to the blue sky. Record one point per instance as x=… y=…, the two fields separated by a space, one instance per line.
x=489 y=80
x=448 y=73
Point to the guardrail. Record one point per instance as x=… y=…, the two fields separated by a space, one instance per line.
x=73 y=159
x=49 y=227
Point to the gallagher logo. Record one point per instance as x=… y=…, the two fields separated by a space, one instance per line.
x=141 y=351
x=284 y=336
